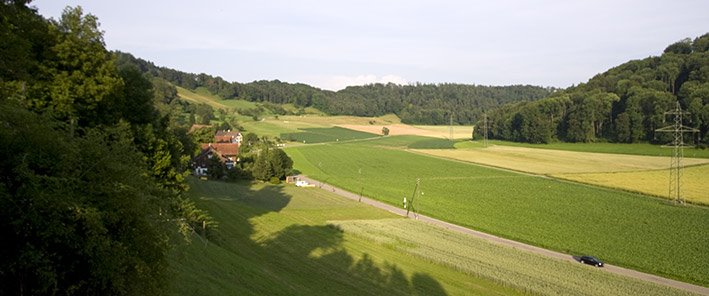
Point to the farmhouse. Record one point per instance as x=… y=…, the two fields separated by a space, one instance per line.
x=225 y=148
x=227 y=136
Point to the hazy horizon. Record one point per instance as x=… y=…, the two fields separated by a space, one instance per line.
x=332 y=45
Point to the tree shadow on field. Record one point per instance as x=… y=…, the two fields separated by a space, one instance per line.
x=331 y=270
x=296 y=260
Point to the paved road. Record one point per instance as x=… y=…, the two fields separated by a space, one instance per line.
x=443 y=224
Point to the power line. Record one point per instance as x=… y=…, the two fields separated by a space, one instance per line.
x=678 y=145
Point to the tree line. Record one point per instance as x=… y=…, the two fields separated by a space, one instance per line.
x=415 y=104
x=92 y=172
x=626 y=104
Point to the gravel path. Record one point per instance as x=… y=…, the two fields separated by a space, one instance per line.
x=609 y=268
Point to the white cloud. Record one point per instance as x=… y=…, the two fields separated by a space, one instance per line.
x=339 y=82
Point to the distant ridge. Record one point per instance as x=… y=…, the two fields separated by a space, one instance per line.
x=414 y=104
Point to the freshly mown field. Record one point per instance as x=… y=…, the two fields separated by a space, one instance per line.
x=626 y=229
x=283 y=240
x=618 y=148
x=322 y=135
x=695 y=182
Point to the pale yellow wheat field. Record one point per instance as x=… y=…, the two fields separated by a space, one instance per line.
x=695 y=182
x=548 y=162
x=644 y=174
x=459 y=132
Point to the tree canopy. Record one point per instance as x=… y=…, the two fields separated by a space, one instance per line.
x=625 y=104
x=91 y=173
x=415 y=104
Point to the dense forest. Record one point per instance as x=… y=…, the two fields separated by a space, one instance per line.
x=626 y=104
x=92 y=173
x=414 y=104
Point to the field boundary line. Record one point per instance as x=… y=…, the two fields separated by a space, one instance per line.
x=507 y=242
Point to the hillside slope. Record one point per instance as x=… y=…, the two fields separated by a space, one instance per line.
x=624 y=104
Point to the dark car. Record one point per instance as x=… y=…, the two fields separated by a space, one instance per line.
x=590 y=260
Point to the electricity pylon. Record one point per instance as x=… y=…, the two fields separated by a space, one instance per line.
x=678 y=145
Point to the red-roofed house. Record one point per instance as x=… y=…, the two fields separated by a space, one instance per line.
x=226 y=148
x=227 y=136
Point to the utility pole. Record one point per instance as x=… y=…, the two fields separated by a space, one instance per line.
x=677 y=145
x=361 y=183
x=409 y=205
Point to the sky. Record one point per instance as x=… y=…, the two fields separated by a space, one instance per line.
x=335 y=44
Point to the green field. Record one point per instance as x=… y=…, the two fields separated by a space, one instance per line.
x=201 y=95
x=432 y=143
x=619 y=148
x=322 y=135
x=626 y=229
x=276 y=240
x=284 y=240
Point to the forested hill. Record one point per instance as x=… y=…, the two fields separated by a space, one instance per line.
x=416 y=104
x=625 y=104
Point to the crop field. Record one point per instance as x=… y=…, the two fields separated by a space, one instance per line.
x=399 y=129
x=283 y=240
x=459 y=131
x=322 y=135
x=546 y=161
x=276 y=240
x=531 y=273
x=618 y=148
x=274 y=127
x=637 y=173
x=625 y=229
x=695 y=182
x=432 y=143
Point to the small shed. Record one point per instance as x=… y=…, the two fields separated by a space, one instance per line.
x=291 y=179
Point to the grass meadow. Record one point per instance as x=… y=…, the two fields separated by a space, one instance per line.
x=322 y=135
x=201 y=95
x=284 y=240
x=626 y=229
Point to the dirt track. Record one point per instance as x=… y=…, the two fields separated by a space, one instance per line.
x=609 y=268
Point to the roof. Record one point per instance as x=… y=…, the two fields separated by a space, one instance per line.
x=227 y=133
x=225 y=149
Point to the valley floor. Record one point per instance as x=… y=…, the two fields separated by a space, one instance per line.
x=286 y=240
x=510 y=243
